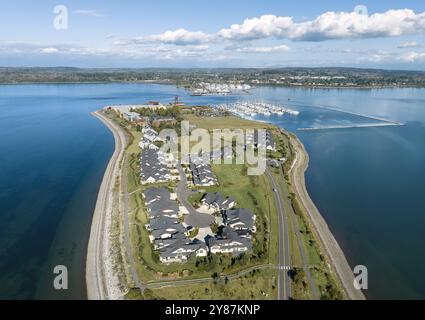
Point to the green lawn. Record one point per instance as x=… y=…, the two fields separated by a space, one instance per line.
x=260 y=285
x=255 y=193
x=224 y=123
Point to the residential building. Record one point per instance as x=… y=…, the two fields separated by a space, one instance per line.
x=239 y=219
x=202 y=174
x=215 y=202
x=154 y=168
x=181 y=251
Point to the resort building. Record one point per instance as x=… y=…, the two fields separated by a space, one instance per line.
x=202 y=174
x=252 y=139
x=215 y=202
x=239 y=219
x=232 y=243
x=150 y=134
x=159 y=203
x=235 y=232
x=167 y=234
x=181 y=251
x=153 y=167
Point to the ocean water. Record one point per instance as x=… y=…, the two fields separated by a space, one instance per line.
x=367 y=182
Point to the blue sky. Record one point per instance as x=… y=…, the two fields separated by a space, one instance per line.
x=256 y=33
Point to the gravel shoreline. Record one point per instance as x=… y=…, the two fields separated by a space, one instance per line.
x=101 y=280
x=333 y=250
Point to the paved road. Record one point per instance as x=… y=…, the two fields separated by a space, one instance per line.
x=284 y=286
x=296 y=228
x=195 y=218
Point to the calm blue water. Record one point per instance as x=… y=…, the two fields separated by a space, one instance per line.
x=367 y=182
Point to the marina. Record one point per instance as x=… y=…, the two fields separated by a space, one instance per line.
x=251 y=109
x=223 y=89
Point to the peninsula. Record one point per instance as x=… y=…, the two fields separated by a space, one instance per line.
x=211 y=238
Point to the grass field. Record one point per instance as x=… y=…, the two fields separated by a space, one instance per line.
x=258 y=285
x=224 y=122
x=255 y=193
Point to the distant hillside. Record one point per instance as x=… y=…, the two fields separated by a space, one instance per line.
x=329 y=77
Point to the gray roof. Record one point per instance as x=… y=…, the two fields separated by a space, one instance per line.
x=241 y=216
x=159 y=203
x=177 y=232
x=152 y=166
x=233 y=241
x=171 y=250
x=161 y=223
x=201 y=172
x=217 y=199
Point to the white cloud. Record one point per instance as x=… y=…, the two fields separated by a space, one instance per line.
x=90 y=13
x=274 y=49
x=49 y=50
x=329 y=25
x=380 y=57
x=180 y=37
x=411 y=44
x=413 y=57
x=394 y=57
x=72 y=50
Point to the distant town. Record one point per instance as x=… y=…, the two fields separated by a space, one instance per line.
x=224 y=81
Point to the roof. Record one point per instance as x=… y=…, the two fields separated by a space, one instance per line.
x=218 y=200
x=241 y=216
x=159 y=203
x=183 y=247
x=153 y=166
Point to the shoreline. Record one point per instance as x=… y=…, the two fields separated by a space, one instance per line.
x=215 y=95
x=332 y=249
x=99 y=272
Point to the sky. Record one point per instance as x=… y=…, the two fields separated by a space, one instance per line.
x=199 y=33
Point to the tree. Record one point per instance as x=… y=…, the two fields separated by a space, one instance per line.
x=214 y=227
x=215 y=276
